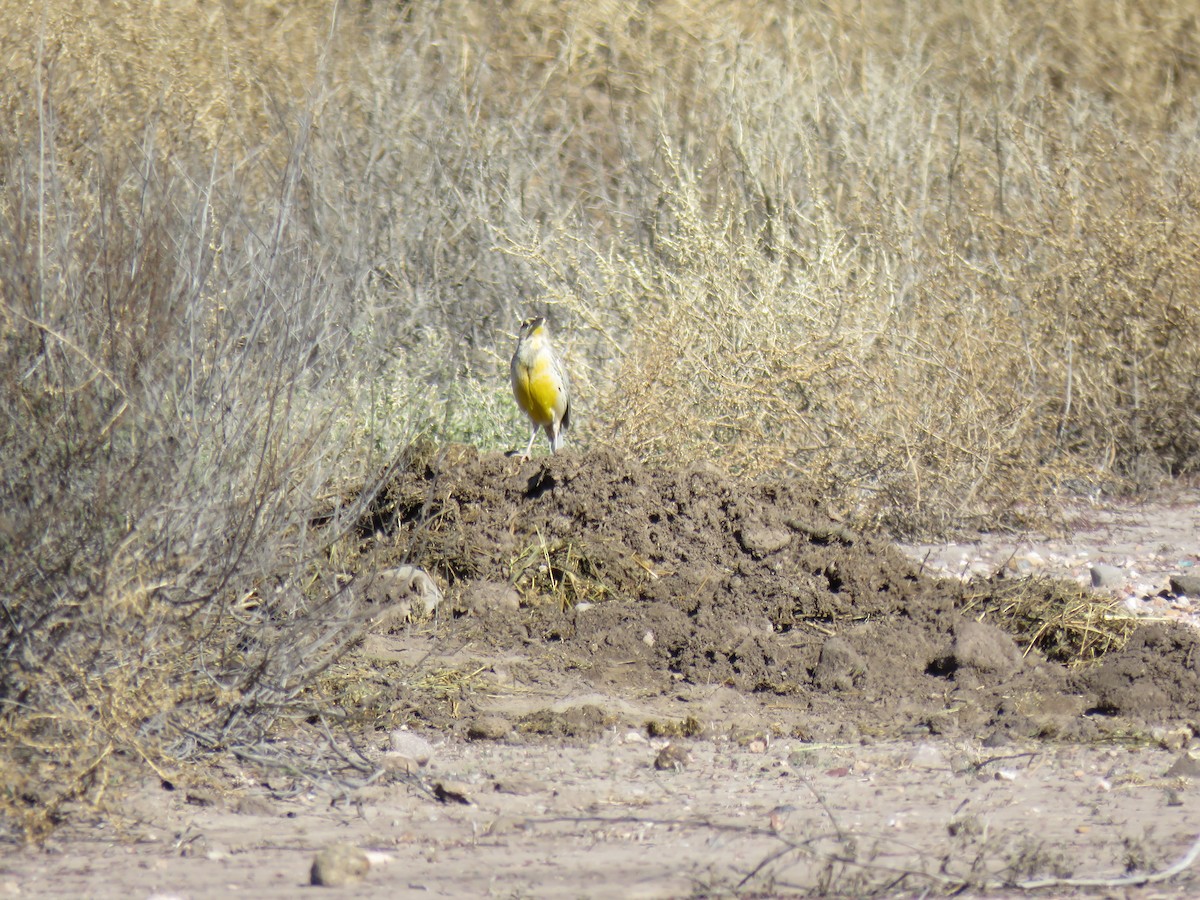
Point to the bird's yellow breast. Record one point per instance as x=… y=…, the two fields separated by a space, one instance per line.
x=538 y=390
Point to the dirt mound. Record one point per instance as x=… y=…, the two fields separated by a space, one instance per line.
x=1156 y=675
x=685 y=594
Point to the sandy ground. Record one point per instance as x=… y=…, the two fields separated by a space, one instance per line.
x=601 y=820
x=1145 y=543
x=866 y=767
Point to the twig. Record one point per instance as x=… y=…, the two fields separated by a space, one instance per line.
x=976 y=767
x=946 y=881
x=1121 y=881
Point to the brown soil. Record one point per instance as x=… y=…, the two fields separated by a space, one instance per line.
x=665 y=684
x=688 y=595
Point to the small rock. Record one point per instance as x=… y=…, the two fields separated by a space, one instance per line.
x=965 y=826
x=489 y=728
x=1023 y=562
x=927 y=756
x=759 y=540
x=1185 y=585
x=1186 y=766
x=1106 y=576
x=411 y=745
x=453 y=792
x=1172 y=738
x=985 y=648
x=400 y=593
x=839 y=666
x=339 y=865
x=673 y=758
x=481 y=597
x=399 y=764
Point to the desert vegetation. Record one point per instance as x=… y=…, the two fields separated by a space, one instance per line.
x=940 y=258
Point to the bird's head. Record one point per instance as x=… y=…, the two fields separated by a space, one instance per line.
x=530 y=327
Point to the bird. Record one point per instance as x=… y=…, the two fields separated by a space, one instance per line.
x=540 y=384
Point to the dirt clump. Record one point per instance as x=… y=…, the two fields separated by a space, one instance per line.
x=684 y=593
x=1156 y=675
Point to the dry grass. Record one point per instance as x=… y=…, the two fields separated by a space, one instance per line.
x=559 y=572
x=1065 y=622
x=939 y=257
x=944 y=289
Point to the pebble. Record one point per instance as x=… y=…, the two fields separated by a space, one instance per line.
x=489 y=728
x=453 y=792
x=411 y=745
x=672 y=757
x=761 y=540
x=927 y=756
x=399 y=592
x=1106 y=576
x=1188 y=585
x=1185 y=766
x=339 y=865
x=484 y=596
x=399 y=764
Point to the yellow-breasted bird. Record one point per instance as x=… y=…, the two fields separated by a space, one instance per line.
x=540 y=384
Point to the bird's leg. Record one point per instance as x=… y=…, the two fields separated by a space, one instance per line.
x=532 y=437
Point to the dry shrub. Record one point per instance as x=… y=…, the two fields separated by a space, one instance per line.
x=939 y=261
x=166 y=436
x=172 y=356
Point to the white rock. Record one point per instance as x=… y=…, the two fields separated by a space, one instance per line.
x=1106 y=576
x=411 y=745
x=404 y=586
x=339 y=865
x=927 y=756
